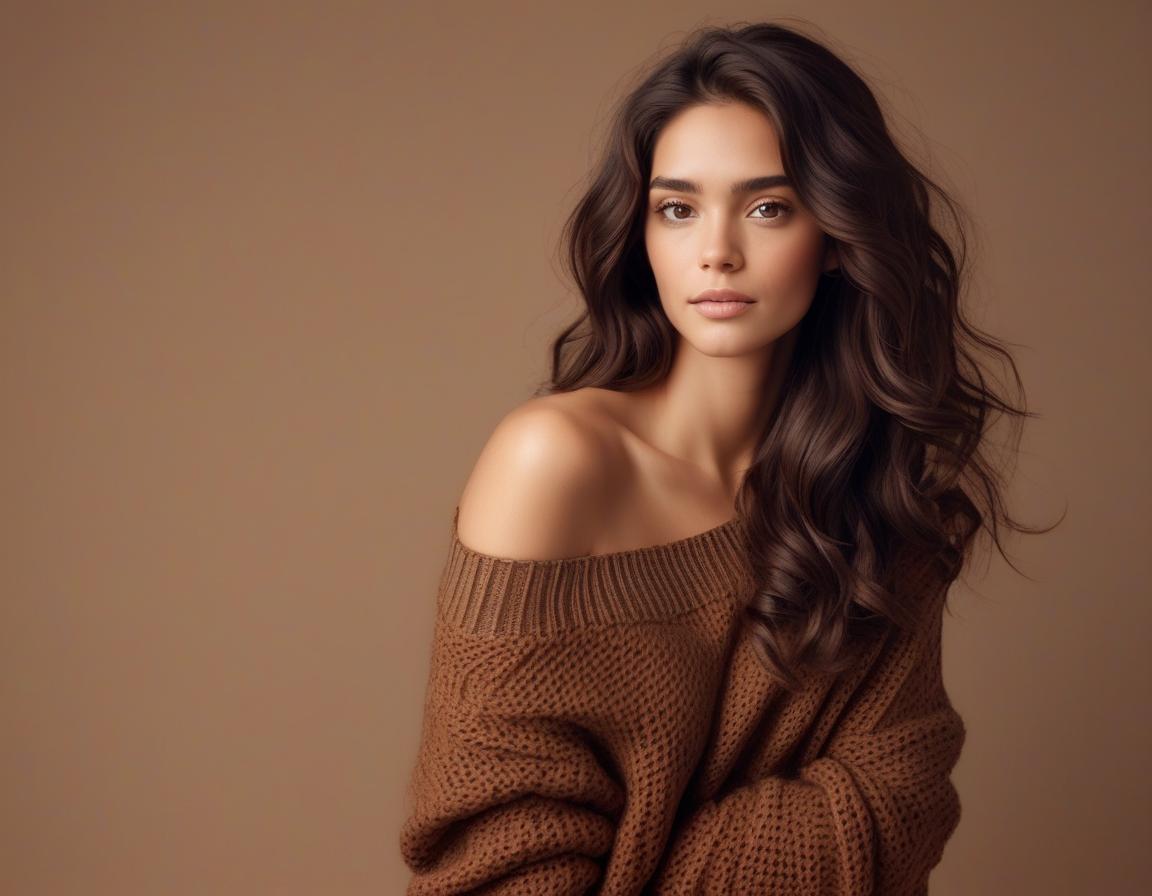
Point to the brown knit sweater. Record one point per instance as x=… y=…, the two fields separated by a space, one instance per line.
x=602 y=724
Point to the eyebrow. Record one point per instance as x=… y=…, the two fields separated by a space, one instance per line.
x=680 y=185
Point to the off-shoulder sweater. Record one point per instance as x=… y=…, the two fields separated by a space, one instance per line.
x=603 y=724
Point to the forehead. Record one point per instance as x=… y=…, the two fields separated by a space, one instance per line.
x=717 y=143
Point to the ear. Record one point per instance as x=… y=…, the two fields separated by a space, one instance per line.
x=831 y=256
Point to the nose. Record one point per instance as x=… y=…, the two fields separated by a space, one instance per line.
x=720 y=251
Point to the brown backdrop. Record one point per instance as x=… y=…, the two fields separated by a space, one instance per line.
x=271 y=272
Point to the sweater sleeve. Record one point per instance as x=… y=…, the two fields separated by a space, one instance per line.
x=509 y=794
x=870 y=815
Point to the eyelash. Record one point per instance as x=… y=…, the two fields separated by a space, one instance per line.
x=785 y=210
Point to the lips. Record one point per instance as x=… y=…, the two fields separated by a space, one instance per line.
x=721 y=295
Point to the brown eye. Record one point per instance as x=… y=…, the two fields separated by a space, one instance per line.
x=780 y=210
x=673 y=205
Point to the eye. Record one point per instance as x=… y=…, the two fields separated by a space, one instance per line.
x=781 y=209
x=669 y=203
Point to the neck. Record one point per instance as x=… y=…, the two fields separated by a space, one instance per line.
x=710 y=412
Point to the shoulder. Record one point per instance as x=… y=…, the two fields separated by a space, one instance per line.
x=542 y=482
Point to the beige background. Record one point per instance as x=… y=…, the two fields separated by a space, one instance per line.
x=270 y=273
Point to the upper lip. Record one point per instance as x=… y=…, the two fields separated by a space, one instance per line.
x=721 y=295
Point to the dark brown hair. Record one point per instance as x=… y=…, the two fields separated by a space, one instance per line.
x=874 y=463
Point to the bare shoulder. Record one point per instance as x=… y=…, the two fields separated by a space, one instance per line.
x=542 y=482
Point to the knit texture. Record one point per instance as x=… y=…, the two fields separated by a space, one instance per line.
x=602 y=724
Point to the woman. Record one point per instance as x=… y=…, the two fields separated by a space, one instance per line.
x=688 y=631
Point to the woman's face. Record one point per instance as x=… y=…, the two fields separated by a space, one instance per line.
x=701 y=235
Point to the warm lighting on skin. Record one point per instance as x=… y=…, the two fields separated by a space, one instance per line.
x=715 y=220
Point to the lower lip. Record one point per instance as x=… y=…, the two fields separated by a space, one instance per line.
x=721 y=310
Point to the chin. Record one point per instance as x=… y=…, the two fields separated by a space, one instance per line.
x=729 y=344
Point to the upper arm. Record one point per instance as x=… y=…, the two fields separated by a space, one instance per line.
x=538 y=488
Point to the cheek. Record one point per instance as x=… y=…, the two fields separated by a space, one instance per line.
x=789 y=274
x=662 y=255
x=673 y=273
x=794 y=261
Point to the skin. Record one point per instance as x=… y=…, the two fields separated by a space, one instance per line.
x=598 y=471
x=725 y=380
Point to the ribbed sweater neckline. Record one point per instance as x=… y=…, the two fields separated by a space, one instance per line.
x=484 y=594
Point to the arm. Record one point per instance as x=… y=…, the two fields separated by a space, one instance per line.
x=870 y=815
x=506 y=794
x=510 y=793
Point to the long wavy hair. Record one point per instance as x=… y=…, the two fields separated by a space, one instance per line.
x=873 y=466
